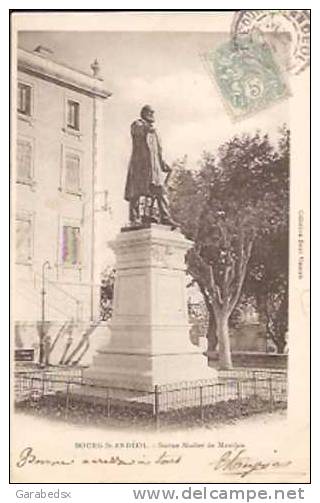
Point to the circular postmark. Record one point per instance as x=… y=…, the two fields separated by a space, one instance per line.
x=286 y=31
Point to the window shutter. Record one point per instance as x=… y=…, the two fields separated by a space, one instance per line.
x=24 y=160
x=71 y=245
x=23 y=240
x=72 y=173
x=24 y=99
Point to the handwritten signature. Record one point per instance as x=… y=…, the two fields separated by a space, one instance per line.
x=237 y=462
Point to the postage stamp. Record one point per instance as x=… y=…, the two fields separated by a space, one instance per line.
x=294 y=23
x=247 y=75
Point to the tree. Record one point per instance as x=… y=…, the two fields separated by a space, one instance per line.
x=267 y=281
x=267 y=278
x=237 y=197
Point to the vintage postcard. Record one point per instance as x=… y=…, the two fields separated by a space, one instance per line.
x=160 y=246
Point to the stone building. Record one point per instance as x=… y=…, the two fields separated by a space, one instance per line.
x=56 y=136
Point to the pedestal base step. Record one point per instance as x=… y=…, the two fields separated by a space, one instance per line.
x=144 y=372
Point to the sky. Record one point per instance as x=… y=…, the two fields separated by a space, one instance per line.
x=165 y=70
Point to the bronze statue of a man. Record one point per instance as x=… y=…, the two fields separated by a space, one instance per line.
x=147 y=172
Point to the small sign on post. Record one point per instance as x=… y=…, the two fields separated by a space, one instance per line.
x=24 y=355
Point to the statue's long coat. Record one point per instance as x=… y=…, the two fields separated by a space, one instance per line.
x=146 y=165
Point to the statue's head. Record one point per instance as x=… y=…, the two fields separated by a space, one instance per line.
x=147 y=113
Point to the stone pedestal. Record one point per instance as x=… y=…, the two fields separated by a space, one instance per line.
x=149 y=329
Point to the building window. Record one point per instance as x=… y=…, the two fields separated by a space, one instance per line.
x=24 y=161
x=73 y=115
x=71 y=245
x=24 y=239
x=72 y=181
x=71 y=170
x=24 y=99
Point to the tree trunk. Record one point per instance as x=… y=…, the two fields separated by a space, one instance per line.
x=222 y=331
x=43 y=328
x=85 y=340
x=281 y=344
x=41 y=349
x=65 y=352
x=211 y=332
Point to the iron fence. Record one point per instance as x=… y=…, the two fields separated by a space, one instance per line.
x=71 y=397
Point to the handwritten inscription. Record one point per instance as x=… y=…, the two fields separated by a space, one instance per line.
x=238 y=462
x=232 y=461
x=28 y=457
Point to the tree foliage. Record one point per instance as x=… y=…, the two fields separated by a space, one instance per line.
x=235 y=203
x=106 y=293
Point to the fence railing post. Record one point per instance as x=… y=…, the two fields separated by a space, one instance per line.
x=255 y=384
x=43 y=385
x=94 y=399
x=108 y=403
x=67 y=400
x=30 y=394
x=156 y=405
x=239 y=391
x=270 y=394
x=201 y=403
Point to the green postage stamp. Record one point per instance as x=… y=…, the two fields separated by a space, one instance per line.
x=247 y=75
